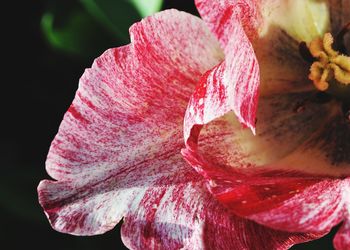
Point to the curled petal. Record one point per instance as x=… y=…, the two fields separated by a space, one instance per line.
x=232 y=85
x=220 y=17
x=342 y=238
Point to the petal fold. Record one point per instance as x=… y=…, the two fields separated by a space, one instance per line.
x=221 y=17
x=230 y=86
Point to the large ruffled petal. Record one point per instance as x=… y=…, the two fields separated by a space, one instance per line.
x=123 y=129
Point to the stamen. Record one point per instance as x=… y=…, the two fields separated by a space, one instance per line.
x=316 y=48
x=316 y=72
x=340 y=74
x=330 y=63
x=327 y=45
x=343 y=61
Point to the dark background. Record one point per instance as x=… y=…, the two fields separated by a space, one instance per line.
x=38 y=85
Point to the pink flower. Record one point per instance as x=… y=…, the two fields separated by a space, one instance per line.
x=118 y=153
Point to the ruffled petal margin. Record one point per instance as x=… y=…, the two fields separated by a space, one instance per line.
x=124 y=127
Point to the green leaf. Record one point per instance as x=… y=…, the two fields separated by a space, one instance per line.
x=147 y=7
x=69 y=28
x=119 y=15
x=64 y=38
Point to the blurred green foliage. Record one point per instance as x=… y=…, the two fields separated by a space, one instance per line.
x=83 y=27
x=147 y=7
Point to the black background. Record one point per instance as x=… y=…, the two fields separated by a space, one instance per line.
x=38 y=85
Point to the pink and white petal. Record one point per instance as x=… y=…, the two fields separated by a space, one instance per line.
x=98 y=204
x=123 y=130
x=187 y=217
x=230 y=86
x=166 y=216
x=254 y=191
x=341 y=240
x=221 y=17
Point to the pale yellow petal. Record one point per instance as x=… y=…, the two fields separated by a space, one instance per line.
x=304 y=20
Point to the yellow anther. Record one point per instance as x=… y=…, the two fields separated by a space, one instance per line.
x=319 y=76
x=330 y=63
x=340 y=74
x=327 y=45
x=325 y=75
x=342 y=61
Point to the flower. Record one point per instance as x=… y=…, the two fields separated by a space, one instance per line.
x=117 y=152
